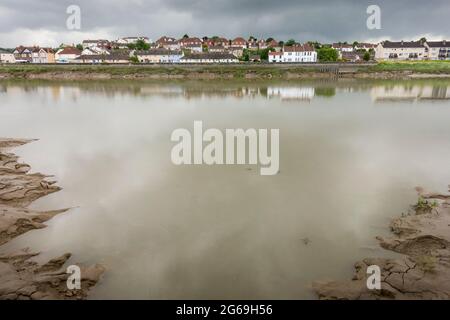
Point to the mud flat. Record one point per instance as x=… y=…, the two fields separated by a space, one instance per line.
x=20 y=277
x=423 y=272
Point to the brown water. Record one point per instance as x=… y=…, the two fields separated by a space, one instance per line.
x=350 y=157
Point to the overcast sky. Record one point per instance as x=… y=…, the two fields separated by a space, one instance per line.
x=43 y=22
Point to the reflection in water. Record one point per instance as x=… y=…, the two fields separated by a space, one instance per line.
x=291 y=93
x=387 y=91
x=164 y=231
x=410 y=93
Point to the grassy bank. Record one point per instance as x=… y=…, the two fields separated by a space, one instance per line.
x=431 y=67
x=240 y=71
x=235 y=71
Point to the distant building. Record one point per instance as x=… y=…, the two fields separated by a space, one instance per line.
x=413 y=50
x=96 y=44
x=217 y=49
x=192 y=44
x=208 y=57
x=168 y=43
x=341 y=47
x=23 y=54
x=438 y=50
x=351 y=57
x=159 y=56
x=67 y=54
x=123 y=43
x=7 y=57
x=274 y=44
x=276 y=57
x=236 y=51
x=239 y=42
x=365 y=46
x=110 y=58
x=43 y=55
x=294 y=54
x=262 y=44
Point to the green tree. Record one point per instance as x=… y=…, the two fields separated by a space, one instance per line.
x=134 y=60
x=269 y=40
x=264 y=53
x=327 y=55
x=131 y=46
x=315 y=44
x=142 y=45
x=366 y=56
x=185 y=36
x=79 y=47
x=290 y=43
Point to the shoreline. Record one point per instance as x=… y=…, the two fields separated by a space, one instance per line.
x=21 y=278
x=227 y=72
x=423 y=272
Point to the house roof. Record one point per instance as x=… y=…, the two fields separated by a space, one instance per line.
x=190 y=40
x=342 y=45
x=165 y=39
x=439 y=44
x=157 y=52
x=3 y=51
x=239 y=39
x=209 y=55
x=70 y=50
x=216 y=48
x=104 y=57
x=403 y=44
x=275 y=53
x=299 y=48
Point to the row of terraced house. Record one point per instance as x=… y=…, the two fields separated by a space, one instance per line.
x=218 y=50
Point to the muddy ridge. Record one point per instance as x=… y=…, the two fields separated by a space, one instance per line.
x=20 y=277
x=423 y=237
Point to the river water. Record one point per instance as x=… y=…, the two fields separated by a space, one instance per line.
x=351 y=154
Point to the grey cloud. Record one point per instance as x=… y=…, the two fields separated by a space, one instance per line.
x=283 y=19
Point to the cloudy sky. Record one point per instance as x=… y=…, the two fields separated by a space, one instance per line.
x=43 y=22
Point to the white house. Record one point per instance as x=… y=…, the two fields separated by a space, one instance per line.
x=101 y=58
x=7 y=57
x=438 y=50
x=43 y=55
x=276 y=57
x=96 y=44
x=365 y=46
x=209 y=57
x=159 y=56
x=295 y=54
x=341 y=47
x=66 y=55
x=413 y=50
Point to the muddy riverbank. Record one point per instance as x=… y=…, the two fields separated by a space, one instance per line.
x=20 y=277
x=422 y=237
